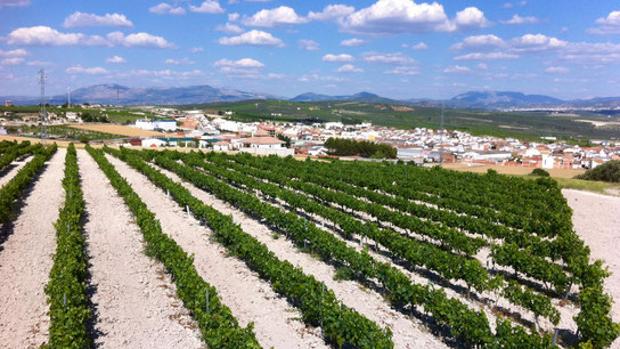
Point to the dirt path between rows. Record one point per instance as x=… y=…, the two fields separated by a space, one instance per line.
x=407 y=332
x=13 y=172
x=596 y=219
x=135 y=300
x=250 y=299
x=26 y=261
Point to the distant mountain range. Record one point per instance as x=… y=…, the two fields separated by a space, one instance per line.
x=203 y=94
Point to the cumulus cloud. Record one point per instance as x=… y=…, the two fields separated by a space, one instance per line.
x=233 y=17
x=331 y=12
x=556 y=70
x=80 y=19
x=78 y=69
x=343 y=57
x=247 y=67
x=537 y=42
x=486 y=56
x=352 y=42
x=477 y=41
x=42 y=35
x=607 y=25
x=18 y=53
x=207 y=6
x=252 y=37
x=273 y=17
x=349 y=68
x=308 y=45
x=457 y=69
x=138 y=40
x=116 y=60
x=516 y=19
x=405 y=16
x=167 y=9
x=230 y=28
x=388 y=58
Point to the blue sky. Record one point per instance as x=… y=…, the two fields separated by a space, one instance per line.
x=396 y=48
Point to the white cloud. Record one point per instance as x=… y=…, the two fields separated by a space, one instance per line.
x=229 y=28
x=537 y=42
x=12 y=61
x=477 y=41
x=343 y=57
x=482 y=66
x=318 y=77
x=182 y=61
x=38 y=63
x=331 y=12
x=253 y=37
x=207 y=6
x=607 y=25
x=80 y=19
x=167 y=9
x=273 y=17
x=116 y=60
x=470 y=17
x=20 y=52
x=388 y=58
x=247 y=67
x=406 y=16
x=592 y=53
x=138 y=40
x=486 y=56
x=352 y=42
x=457 y=69
x=78 y=69
x=14 y=3
x=163 y=74
x=42 y=35
x=516 y=19
x=349 y=68
x=404 y=70
x=308 y=45
x=556 y=70
x=420 y=46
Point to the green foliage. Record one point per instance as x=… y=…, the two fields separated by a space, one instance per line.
x=607 y=172
x=349 y=147
x=540 y=172
x=12 y=190
x=218 y=326
x=594 y=321
x=66 y=290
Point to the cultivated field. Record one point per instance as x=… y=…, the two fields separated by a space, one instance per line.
x=118 y=248
x=115 y=129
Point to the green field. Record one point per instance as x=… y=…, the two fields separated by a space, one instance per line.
x=523 y=125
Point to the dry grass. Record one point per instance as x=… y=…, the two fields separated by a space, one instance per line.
x=511 y=170
x=121 y=130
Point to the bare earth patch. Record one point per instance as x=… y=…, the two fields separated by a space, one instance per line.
x=135 y=300
x=596 y=219
x=13 y=172
x=26 y=261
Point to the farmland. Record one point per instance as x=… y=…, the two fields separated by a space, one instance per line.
x=133 y=248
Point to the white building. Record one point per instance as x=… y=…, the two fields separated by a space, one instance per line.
x=153 y=143
x=151 y=125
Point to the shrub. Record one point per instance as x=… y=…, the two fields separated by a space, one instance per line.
x=540 y=172
x=607 y=172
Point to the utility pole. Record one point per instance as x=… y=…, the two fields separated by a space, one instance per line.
x=42 y=112
x=441 y=129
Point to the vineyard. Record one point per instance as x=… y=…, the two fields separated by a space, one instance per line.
x=146 y=249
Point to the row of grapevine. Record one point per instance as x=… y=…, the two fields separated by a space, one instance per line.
x=12 y=190
x=341 y=325
x=218 y=326
x=469 y=326
x=344 y=192
x=448 y=265
x=67 y=288
x=12 y=153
